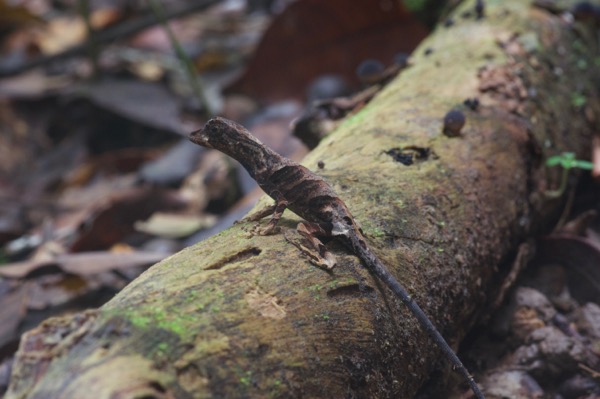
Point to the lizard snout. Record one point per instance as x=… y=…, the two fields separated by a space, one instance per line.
x=199 y=137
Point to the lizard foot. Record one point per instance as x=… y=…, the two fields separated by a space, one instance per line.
x=258 y=215
x=267 y=230
x=320 y=257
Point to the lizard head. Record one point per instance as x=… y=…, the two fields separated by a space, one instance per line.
x=237 y=142
x=223 y=135
x=205 y=136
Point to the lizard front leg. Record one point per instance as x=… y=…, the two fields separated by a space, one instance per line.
x=271 y=227
x=260 y=214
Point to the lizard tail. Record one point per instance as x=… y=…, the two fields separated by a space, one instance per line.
x=375 y=266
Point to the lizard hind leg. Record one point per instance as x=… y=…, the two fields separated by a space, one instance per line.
x=318 y=253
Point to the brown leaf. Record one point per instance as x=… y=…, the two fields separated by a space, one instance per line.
x=13 y=222
x=581 y=258
x=60 y=34
x=312 y=37
x=113 y=221
x=151 y=104
x=12 y=15
x=81 y=264
x=12 y=313
x=171 y=225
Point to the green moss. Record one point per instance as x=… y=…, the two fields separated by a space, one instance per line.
x=173 y=326
x=191 y=296
x=323 y=316
x=246 y=379
x=578 y=100
x=355 y=119
x=200 y=307
x=216 y=344
x=157 y=317
x=580 y=46
x=530 y=42
x=582 y=64
x=375 y=231
x=163 y=347
x=342 y=282
x=315 y=287
x=141 y=322
x=3 y=258
x=415 y=5
x=276 y=387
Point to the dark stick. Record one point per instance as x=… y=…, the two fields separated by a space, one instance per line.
x=105 y=36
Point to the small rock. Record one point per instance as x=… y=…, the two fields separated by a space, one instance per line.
x=532 y=298
x=527 y=311
x=579 y=386
x=511 y=384
x=550 y=353
x=587 y=320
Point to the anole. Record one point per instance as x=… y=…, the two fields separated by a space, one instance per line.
x=308 y=195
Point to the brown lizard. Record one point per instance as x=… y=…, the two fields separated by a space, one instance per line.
x=309 y=196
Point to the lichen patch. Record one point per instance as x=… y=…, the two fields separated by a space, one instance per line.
x=265 y=304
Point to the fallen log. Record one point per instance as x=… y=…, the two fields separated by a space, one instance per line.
x=238 y=316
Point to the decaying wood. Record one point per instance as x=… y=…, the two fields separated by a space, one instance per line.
x=242 y=317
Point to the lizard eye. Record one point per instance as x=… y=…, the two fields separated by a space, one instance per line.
x=347 y=220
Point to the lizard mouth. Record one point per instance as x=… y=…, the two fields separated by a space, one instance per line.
x=200 y=138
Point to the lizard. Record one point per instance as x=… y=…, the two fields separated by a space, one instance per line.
x=294 y=187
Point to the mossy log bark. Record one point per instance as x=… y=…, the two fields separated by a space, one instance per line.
x=239 y=317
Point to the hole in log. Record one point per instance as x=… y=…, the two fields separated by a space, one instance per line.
x=237 y=257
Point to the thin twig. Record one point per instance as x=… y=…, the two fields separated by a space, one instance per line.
x=110 y=34
x=198 y=88
x=92 y=45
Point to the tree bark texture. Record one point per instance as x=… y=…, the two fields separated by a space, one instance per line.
x=249 y=317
